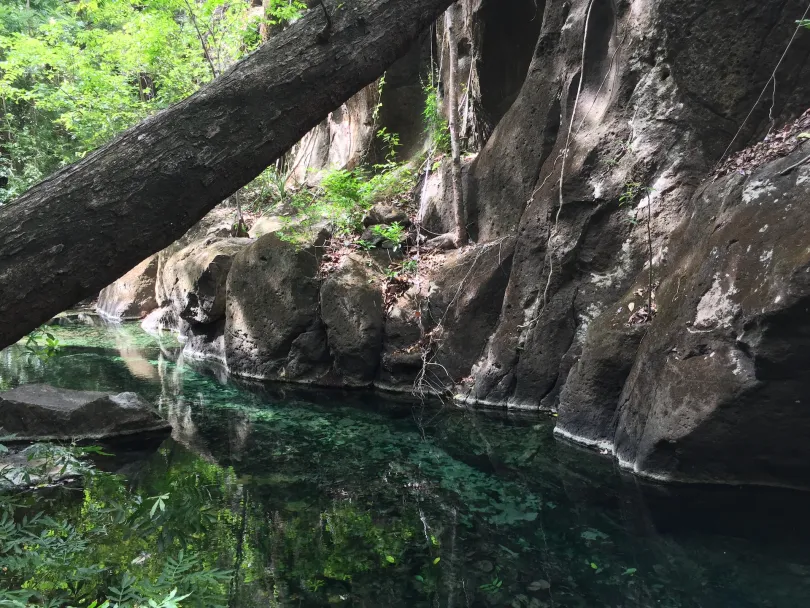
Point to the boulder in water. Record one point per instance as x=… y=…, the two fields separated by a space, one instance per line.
x=38 y=412
x=352 y=310
x=273 y=329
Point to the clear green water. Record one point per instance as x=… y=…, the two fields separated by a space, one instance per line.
x=346 y=499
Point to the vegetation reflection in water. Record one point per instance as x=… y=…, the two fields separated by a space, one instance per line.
x=266 y=497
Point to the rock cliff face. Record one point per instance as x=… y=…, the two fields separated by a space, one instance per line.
x=594 y=127
x=717 y=389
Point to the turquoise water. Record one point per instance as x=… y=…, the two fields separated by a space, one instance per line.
x=354 y=499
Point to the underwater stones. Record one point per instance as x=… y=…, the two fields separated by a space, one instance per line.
x=133 y=295
x=352 y=311
x=38 y=412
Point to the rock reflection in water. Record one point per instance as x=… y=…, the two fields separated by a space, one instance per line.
x=340 y=498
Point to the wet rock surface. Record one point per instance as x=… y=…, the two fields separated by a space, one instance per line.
x=38 y=412
x=195 y=277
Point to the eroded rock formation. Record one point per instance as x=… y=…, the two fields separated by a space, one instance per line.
x=592 y=196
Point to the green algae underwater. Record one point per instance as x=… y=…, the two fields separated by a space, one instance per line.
x=268 y=495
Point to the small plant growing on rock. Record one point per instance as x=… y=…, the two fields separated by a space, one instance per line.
x=410 y=266
x=392 y=144
x=435 y=123
x=394 y=233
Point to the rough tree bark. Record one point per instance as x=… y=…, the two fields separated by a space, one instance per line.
x=85 y=226
x=460 y=237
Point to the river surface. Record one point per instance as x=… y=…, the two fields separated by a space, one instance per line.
x=356 y=499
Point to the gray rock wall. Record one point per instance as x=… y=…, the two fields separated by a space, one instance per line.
x=597 y=143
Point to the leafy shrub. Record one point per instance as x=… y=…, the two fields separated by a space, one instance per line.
x=42 y=343
x=344 y=197
x=70 y=559
x=392 y=144
x=436 y=125
x=394 y=233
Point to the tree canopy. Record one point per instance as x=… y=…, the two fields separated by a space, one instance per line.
x=75 y=74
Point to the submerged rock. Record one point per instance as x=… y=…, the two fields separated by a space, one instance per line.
x=37 y=412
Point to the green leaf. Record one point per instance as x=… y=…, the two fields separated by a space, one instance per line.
x=390 y=559
x=630 y=571
x=594 y=566
x=437 y=560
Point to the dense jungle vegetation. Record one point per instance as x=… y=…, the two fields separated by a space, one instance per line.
x=75 y=74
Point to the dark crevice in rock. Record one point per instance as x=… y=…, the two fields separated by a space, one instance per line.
x=509 y=33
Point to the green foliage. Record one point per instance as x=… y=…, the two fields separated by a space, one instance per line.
x=282 y=11
x=42 y=344
x=103 y=544
x=395 y=233
x=269 y=190
x=631 y=193
x=436 y=125
x=344 y=197
x=410 y=267
x=75 y=74
x=493 y=586
x=344 y=200
x=375 y=115
x=392 y=144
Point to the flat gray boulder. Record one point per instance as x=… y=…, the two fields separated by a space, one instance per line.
x=37 y=412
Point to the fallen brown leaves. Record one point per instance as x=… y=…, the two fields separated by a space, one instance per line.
x=775 y=145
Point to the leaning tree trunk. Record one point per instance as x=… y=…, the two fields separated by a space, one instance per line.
x=82 y=228
x=460 y=236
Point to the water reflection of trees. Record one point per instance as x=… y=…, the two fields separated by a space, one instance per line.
x=281 y=497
